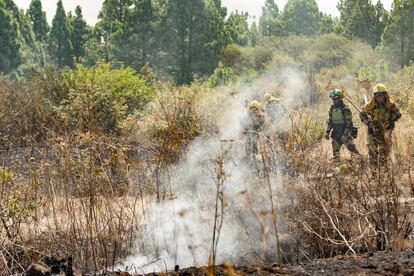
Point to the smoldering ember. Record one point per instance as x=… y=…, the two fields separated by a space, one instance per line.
x=188 y=138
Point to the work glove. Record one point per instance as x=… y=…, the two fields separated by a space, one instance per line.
x=347 y=134
x=391 y=126
x=364 y=118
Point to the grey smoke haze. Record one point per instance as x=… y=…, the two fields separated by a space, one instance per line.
x=180 y=231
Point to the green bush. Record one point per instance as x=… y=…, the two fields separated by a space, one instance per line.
x=329 y=50
x=375 y=73
x=231 y=55
x=280 y=60
x=17 y=203
x=221 y=76
x=262 y=57
x=249 y=76
x=100 y=96
x=361 y=54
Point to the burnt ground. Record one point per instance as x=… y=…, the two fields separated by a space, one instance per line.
x=380 y=263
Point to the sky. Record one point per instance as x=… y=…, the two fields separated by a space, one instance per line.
x=91 y=8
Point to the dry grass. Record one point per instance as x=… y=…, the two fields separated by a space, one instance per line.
x=75 y=200
x=349 y=208
x=83 y=192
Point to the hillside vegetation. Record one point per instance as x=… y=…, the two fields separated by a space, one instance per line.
x=118 y=156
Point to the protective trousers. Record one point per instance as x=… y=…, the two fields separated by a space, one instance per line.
x=341 y=137
x=379 y=147
x=337 y=144
x=251 y=147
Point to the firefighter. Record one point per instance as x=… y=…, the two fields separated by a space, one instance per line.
x=340 y=126
x=380 y=115
x=274 y=109
x=252 y=127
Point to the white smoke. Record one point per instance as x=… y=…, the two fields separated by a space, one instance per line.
x=179 y=231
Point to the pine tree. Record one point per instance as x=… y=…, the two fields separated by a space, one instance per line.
x=23 y=24
x=357 y=17
x=142 y=40
x=268 y=21
x=238 y=28
x=399 y=32
x=95 y=50
x=214 y=37
x=79 y=34
x=114 y=15
x=326 y=24
x=113 y=27
x=29 y=51
x=183 y=26
x=301 y=17
x=38 y=19
x=59 y=38
x=254 y=34
x=379 y=22
x=9 y=40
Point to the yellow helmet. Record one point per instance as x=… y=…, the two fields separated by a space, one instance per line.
x=269 y=98
x=254 y=105
x=379 y=88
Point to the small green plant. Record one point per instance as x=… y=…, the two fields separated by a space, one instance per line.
x=375 y=73
x=17 y=205
x=6 y=176
x=221 y=76
x=96 y=97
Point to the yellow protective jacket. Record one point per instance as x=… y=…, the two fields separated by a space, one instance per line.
x=380 y=117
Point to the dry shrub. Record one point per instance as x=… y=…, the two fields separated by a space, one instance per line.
x=85 y=200
x=306 y=128
x=329 y=78
x=401 y=86
x=350 y=211
x=25 y=116
x=86 y=98
x=333 y=208
x=83 y=159
x=168 y=129
x=330 y=208
x=65 y=191
x=88 y=185
x=173 y=123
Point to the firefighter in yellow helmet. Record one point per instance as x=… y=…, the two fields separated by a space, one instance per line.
x=340 y=126
x=380 y=115
x=256 y=115
x=274 y=108
x=252 y=126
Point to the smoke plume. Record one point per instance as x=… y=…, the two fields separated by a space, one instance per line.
x=179 y=231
